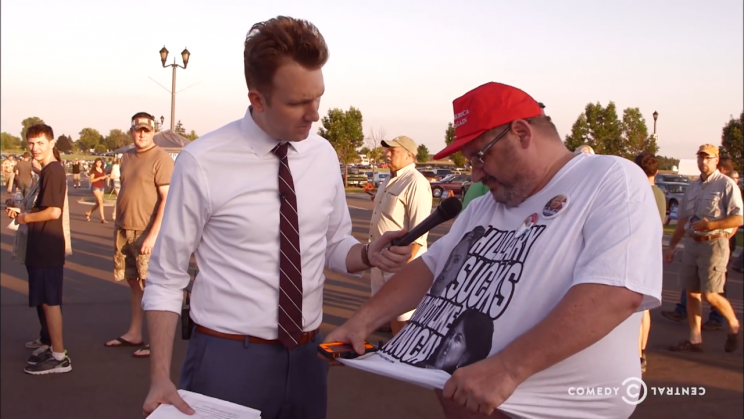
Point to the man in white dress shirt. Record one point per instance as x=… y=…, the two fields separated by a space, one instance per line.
x=260 y=203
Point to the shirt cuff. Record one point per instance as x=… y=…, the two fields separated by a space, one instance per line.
x=337 y=257
x=159 y=298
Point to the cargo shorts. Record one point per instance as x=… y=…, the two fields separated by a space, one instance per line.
x=704 y=265
x=129 y=262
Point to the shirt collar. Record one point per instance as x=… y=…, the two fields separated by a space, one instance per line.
x=710 y=177
x=261 y=142
x=405 y=170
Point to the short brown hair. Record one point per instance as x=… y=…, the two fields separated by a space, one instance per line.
x=543 y=122
x=270 y=44
x=648 y=163
x=725 y=165
x=40 y=129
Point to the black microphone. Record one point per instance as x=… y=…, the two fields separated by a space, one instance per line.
x=447 y=210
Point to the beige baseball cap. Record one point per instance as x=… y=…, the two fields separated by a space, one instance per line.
x=402 y=141
x=708 y=149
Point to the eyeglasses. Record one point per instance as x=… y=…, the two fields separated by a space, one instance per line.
x=477 y=158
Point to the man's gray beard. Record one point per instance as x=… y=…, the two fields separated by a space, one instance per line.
x=515 y=194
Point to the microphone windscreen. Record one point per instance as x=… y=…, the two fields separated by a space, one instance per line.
x=450 y=207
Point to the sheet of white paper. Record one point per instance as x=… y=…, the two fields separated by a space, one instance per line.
x=206 y=408
x=13 y=225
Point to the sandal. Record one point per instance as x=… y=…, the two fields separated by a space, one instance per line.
x=687 y=346
x=122 y=343
x=732 y=342
x=87 y=216
x=139 y=352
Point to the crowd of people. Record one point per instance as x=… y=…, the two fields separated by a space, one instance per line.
x=594 y=222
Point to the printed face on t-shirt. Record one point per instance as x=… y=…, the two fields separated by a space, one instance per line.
x=453 y=326
x=456 y=260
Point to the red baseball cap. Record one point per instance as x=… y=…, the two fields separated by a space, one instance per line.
x=485 y=107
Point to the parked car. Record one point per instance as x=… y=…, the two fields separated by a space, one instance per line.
x=671 y=178
x=355 y=177
x=379 y=178
x=429 y=175
x=451 y=183
x=442 y=173
x=673 y=191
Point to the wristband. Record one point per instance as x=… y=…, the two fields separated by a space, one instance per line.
x=365 y=255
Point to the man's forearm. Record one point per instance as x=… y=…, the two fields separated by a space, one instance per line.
x=47 y=214
x=354 y=262
x=401 y=294
x=586 y=314
x=679 y=232
x=162 y=327
x=158 y=221
x=733 y=221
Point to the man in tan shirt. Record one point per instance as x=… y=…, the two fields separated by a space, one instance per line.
x=402 y=202
x=711 y=210
x=145 y=177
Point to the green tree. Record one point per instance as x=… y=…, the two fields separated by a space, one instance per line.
x=116 y=139
x=732 y=141
x=191 y=136
x=64 y=143
x=422 y=154
x=579 y=134
x=374 y=141
x=604 y=129
x=343 y=129
x=26 y=124
x=180 y=130
x=601 y=129
x=449 y=135
x=9 y=142
x=364 y=151
x=89 y=139
x=100 y=148
x=666 y=163
x=635 y=135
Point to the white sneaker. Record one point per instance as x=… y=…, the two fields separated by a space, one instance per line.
x=36 y=343
x=41 y=349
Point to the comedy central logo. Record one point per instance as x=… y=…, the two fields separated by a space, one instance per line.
x=633 y=391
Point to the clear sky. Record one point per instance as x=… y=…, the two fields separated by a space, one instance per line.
x=86 y=63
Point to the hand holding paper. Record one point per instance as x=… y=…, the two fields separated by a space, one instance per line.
x=204 y=407
x=164 y=393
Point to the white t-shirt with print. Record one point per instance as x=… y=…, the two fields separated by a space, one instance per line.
x=500 y=271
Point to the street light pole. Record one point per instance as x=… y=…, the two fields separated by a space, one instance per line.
x=656 y=116
x=185 y=54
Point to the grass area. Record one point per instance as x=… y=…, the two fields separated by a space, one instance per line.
x=79 y=157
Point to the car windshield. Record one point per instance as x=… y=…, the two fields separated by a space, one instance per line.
x=676 y=188
x=680 y=179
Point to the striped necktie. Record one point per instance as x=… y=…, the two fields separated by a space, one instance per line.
x=290 y=262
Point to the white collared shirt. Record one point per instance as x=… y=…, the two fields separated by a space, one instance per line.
x=223 y=205
x=403 y=202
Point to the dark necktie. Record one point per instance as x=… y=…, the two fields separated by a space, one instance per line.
x=290 y=262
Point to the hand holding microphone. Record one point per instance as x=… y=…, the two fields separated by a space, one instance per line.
x=391 y=252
